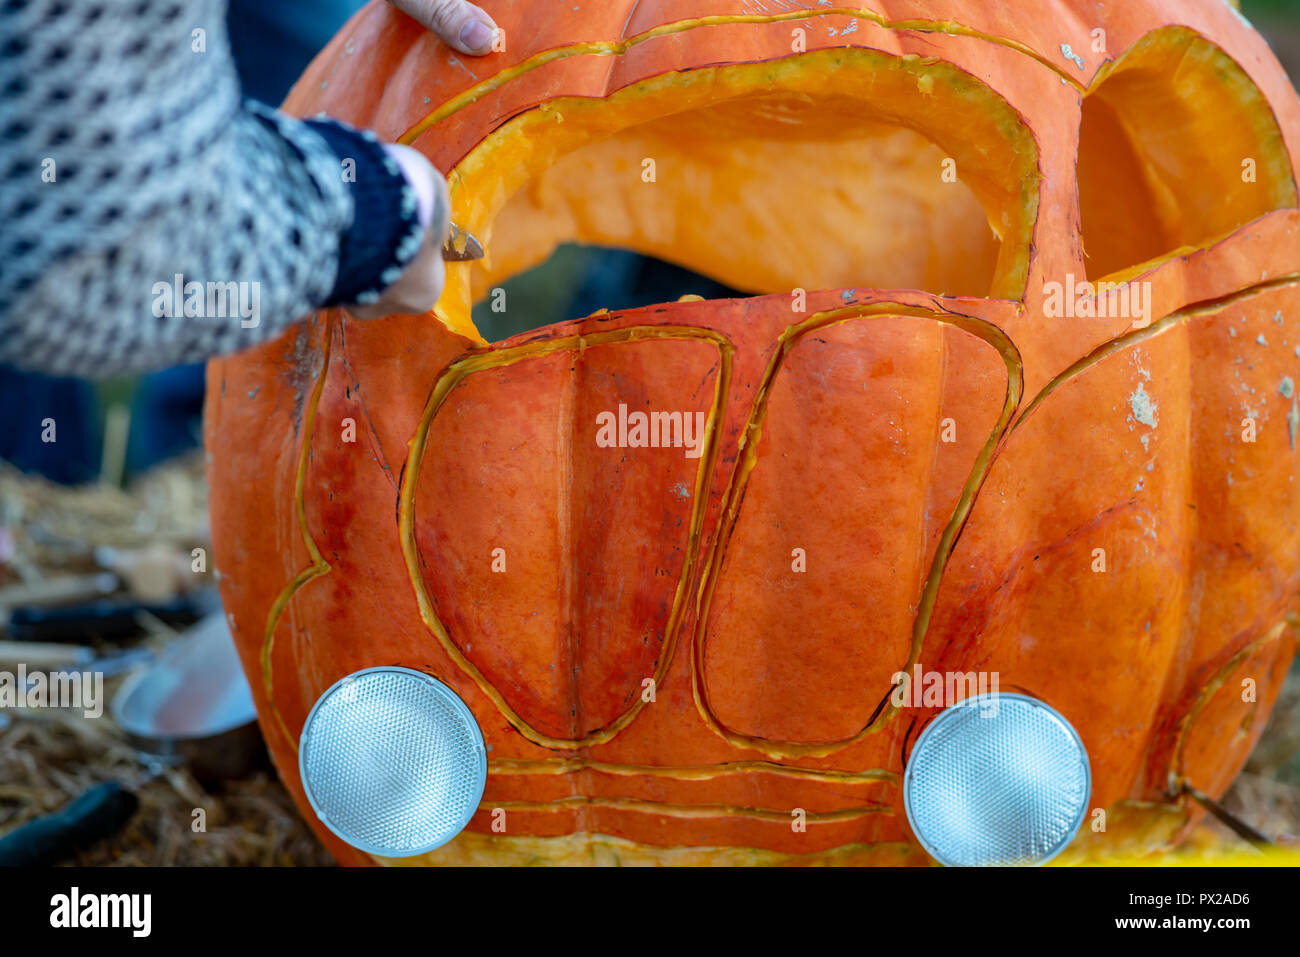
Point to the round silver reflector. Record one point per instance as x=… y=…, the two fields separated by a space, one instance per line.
x=392 y=761
x=997 y=779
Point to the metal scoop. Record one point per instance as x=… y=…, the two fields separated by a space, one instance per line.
x=193 y=705
x=460 y=246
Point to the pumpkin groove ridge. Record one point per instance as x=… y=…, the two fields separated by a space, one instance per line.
x=1110 y=346
x=669 y=809
x=319 y=565
x=733 y=498
x=451 y=376
x=1175 y=777
x=618 y=47
x=699 y=772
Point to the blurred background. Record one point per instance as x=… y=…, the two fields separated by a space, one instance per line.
x=103 y=538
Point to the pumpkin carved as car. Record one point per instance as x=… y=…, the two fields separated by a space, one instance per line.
x=927 y=441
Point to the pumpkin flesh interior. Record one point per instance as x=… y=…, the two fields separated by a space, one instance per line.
x=1177 y=149
x=822 y=170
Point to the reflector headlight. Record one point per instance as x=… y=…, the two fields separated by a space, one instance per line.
x=997 y=779
x=392 y=761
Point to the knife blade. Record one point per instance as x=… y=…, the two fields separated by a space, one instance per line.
x=460 y=246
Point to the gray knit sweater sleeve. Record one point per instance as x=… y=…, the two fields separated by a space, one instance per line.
x=147 y=216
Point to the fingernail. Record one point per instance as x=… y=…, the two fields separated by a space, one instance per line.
x=476 y=35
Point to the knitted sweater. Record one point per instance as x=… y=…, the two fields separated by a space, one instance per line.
x=149 y=218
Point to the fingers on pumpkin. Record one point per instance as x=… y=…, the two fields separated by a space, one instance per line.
x=462 y=26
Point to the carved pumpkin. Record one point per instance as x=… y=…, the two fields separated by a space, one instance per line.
x=925 y=441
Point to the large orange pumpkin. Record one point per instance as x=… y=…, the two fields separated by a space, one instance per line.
x=925 y=441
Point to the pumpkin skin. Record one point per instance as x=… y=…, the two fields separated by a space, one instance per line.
x=948 y=461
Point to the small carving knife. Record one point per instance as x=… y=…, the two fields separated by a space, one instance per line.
x=460 y=246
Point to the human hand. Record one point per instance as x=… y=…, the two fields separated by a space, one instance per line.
x=459 y=24
x=417 y=289
x=467 y=28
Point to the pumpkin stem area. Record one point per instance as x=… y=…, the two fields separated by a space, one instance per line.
x=822 y=170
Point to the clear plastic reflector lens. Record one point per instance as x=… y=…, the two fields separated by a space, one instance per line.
x=392 y=761
x=997 y=779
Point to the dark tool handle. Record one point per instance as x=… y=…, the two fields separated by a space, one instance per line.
x=99 y=813
x=1228 y=819
x=106 y=617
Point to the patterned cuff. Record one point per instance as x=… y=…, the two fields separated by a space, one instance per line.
x=386 y=231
